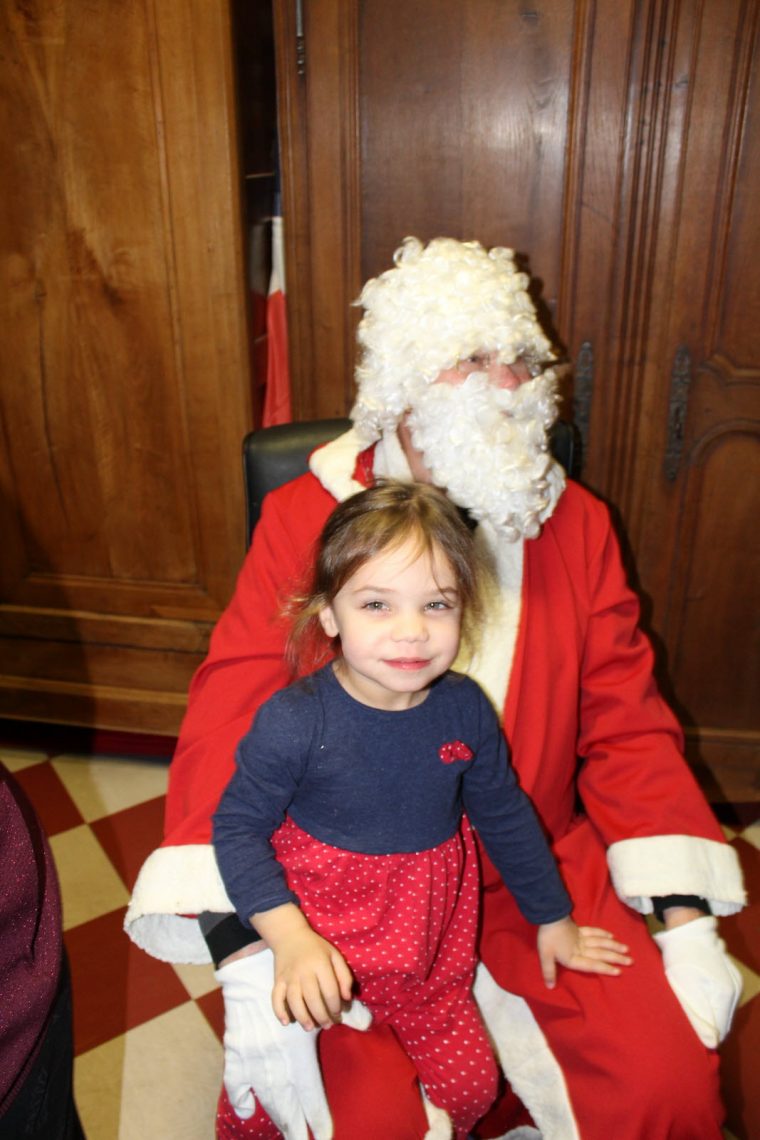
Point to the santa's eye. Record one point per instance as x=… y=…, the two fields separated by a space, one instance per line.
x=480 y=360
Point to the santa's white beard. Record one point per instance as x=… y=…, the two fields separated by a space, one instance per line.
x=489 y=448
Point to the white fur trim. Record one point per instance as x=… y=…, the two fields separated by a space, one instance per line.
x=524 y=1054
x=491 y=665
x=390 y=459
x=659 y=865
x=174 y=885
x=334 y=465
x=440 y=1122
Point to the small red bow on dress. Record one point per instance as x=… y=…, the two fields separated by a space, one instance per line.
x=456 y=750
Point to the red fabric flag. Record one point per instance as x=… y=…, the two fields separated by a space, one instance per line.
x=258 y=270
x=277 y=395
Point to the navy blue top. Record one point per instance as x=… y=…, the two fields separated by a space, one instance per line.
x=373 y=781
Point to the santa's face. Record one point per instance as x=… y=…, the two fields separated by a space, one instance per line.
x=499 y=375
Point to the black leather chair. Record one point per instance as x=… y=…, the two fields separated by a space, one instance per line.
x=274 y=455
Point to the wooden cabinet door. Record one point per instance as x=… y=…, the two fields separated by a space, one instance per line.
x=124 y=389
x=615 y=145
x=687 y=418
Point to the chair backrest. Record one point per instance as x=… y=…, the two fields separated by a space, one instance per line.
x=274 y=455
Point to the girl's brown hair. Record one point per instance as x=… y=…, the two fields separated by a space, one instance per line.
x=378 y=519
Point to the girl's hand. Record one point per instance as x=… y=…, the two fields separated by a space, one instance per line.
x=584 y=948
x=311 y=977
x=312 y=981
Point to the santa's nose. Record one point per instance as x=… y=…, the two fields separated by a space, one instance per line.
x=509 y=376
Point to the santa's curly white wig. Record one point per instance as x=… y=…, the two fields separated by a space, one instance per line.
x=440 y=304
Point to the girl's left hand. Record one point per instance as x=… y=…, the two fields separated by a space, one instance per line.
x=584 y=948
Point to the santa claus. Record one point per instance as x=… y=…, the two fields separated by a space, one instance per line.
x=456 y=386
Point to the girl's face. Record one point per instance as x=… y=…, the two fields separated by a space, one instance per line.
x=398 y=619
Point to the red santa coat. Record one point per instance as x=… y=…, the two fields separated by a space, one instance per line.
x=580 y=686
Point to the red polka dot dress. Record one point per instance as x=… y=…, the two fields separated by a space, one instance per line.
x=406 y=925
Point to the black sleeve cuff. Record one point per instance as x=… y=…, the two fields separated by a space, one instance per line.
x=225 y=934
x=661 y=904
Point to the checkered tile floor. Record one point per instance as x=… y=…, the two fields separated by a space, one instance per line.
x=148 y=1034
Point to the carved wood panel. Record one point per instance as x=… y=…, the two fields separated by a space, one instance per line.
x=675 y=415
x=123 y=379
x=615 y=146
x=703 y=569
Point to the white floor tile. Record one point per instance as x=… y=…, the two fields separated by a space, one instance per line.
x=197 y=980
x=16 y=759
x=97 y=1090
x=171 y=1078
x=101 y=787
x=750 y=981
x=752 y=834
x=90 y=885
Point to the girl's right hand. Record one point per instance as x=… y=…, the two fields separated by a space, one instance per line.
x=312 y=981
x=311 y=978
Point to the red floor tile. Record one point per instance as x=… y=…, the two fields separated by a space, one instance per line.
x=53 y=804
x=116 y=986
x=741 y=931
x=739 y=1073
x=212 y=1007
x=129 y=836
x=749 y=857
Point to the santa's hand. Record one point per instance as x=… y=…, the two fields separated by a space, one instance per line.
x=278 y=1061
x=702 y=976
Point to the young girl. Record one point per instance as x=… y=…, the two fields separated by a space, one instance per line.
x=339 y=837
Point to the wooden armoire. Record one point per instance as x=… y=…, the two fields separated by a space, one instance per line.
x=124 y=386
x=614 y=144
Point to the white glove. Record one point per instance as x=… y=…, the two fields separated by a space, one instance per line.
x=278 y=1061
x=702 y=976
